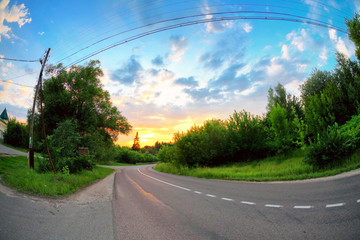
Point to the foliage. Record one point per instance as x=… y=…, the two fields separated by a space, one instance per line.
x=202 y=145
x=127 y=155
x=64 y=145
x=270 y=169
x=287 y=130
x=247 y=137
x=16 y=134
x=335 y=144
x=331 y=97
x=136 y=145
x=167 y=154
x=16 y=173
x=354 y=32
x=78 y=95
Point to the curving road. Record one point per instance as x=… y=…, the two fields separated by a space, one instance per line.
x=152 y=205
x=145 y=204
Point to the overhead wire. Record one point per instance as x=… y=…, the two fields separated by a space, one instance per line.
x=172 y=4
x=17 y=60
x=189 y=23
x=201 y=15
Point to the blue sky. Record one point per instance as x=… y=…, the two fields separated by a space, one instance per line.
x=168 y=81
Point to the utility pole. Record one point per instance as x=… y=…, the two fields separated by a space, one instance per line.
x=31 y=148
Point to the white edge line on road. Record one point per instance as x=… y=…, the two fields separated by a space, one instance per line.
x=209 y=195
x=186 y=189
x=248 y=203
x=227 y=199
x=197 y=192
x=273 y=206
x=335 y=205
x=358 y=201
x=303 y=207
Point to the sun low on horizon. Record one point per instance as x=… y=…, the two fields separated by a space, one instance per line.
x=171 y=64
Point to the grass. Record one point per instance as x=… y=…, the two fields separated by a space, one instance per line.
x=15 y=173
x=269 y=169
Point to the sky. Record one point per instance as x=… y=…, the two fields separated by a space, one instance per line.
x=171 y=64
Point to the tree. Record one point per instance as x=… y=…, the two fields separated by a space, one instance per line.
x=354 y=32
x=286 y=101
x=16 y=134
x=136 y=145
x=77 y=94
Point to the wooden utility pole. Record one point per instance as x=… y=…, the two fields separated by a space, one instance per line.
x=31 y=134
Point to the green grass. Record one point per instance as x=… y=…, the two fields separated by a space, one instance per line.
x=15 y=173
x=270 y=169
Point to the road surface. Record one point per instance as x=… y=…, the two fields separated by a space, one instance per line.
x=146 y=204
x=152 y=205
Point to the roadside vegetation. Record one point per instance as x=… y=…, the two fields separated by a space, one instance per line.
x=16 y=173
x=323 y=125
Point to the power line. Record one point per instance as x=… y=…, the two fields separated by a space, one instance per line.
x=189 y=23
x=204 y=15
x=17 y=60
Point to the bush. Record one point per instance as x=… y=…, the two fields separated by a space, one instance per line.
x=334 y=145
x=126 y=155
x=247 y=137
x=167 y=154
x=204 y=146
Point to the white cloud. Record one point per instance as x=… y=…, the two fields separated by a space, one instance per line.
x=344 y=46
x=247 y=27
x=179 y=44
x=41 y=33
x=16 y=13
x=285 y=52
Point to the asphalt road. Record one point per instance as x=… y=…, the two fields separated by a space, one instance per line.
x=146 y=204
x=152 y=205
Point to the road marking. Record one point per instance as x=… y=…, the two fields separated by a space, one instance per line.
x=186 y=189
x=227 y=199
x=209 y=195
x=197 y=192
x=273 y=206
x=248 y=203
x=303 y=207
x=335 y=205
x=358 y=201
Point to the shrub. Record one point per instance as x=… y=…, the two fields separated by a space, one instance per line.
x=332 y=146
x=167 y=154
x=247 y=137
x=205 y=145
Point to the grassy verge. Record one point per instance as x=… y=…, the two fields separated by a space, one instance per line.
x=15 y=173
x=270 y=169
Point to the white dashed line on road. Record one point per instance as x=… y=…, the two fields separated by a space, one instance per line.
x=248 y=203
x=273 y=206
x=186 y=189
x=209 y=195
x=197 y=192
x=358 y=201
x=335 y=205
x=303 y=207
x=227 y=199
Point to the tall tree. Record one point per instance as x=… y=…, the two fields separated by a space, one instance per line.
x=354 y=32
x=136 y=145
x=77 y=94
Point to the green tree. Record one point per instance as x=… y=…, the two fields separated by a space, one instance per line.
x=354 y=32
x=78 y=94
x=16 y=134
